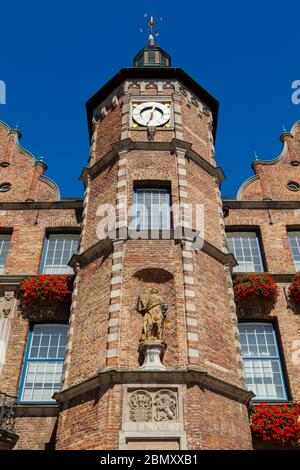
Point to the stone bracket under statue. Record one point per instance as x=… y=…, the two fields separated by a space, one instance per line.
x=152 y=345
x=152 y=351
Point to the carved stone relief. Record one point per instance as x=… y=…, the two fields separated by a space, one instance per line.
x=7 y=306
x=140 y=406
x=7 y=303
x=145 y=405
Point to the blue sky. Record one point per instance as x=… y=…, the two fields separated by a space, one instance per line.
x=55 y=55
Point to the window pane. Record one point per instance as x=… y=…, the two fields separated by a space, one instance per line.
x=246 y=249
x=44 y=365
x=59 y=250
x=4 y=245
x=294 y=238
x=262 y=365
x=151 y=209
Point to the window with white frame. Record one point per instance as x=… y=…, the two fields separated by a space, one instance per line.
x=59 y=249
x=246 y=248
x=294 y=238
x=43 y=366
x=262 y=363
x=4 y=245
x=151 y=208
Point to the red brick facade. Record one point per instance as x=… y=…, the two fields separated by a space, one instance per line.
x=204 y=368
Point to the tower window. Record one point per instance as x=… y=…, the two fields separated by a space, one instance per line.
x=293 y=186
x=246 y=248
x=4 y=245
x=151 y=208
x=262 y=363
x=294 y=239
x=59 y=249
x=4 y=187
x=43 y=366
x=151 y=57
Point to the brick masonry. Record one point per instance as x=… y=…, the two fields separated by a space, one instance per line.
x=201 y=332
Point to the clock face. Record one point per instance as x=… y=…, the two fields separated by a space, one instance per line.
x=151 y=114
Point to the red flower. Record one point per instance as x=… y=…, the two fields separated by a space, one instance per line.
x=46 y=287
x=279 y=423
x=255 y=286
x=294 y=289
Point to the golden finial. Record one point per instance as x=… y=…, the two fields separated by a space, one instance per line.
x=151 y=29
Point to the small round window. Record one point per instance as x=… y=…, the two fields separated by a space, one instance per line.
x=4 y=187
x=293 y=186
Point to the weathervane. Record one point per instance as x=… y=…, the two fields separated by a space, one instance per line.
x=151 y=26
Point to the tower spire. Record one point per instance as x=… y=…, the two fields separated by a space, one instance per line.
x=151 y=23
x=152 y=55
x=152 y=34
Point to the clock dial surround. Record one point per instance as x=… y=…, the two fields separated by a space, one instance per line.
x=151 y=113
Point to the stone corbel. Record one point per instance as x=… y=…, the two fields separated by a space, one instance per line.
x=115 y=102
x=8 y=303
x=151 y=133
x=103 y=112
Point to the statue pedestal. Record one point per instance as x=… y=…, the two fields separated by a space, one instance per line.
x=152 y=351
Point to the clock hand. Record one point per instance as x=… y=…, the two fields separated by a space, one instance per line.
x=151 y=115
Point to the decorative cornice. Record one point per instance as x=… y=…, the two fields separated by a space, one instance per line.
x=92 y=253
x=129 y=145
x=159 y=73
x=35 y=205
x=234 y=204
x=227 y=259
x=105 y=246
x=189 y=376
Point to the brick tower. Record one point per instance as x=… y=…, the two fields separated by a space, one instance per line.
x=152 y=130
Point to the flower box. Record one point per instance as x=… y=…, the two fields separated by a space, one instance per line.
x=276 y=424
x=46 y=289
x=294 y=289
x=252 y=287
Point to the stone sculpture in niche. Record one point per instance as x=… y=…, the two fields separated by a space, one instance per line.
x=154 y=312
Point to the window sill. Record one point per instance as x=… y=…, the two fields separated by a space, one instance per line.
x=270 y=402
x=278 y=277
x=36 y=410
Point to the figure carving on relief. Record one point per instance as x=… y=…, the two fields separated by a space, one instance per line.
x=165 y=404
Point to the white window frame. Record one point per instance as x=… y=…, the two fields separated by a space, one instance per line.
x=51 y=268
x=4 y=245
x=260 y=365
x=245 y=266
x=141 y=215
x=295 y=255
x=42 y=371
